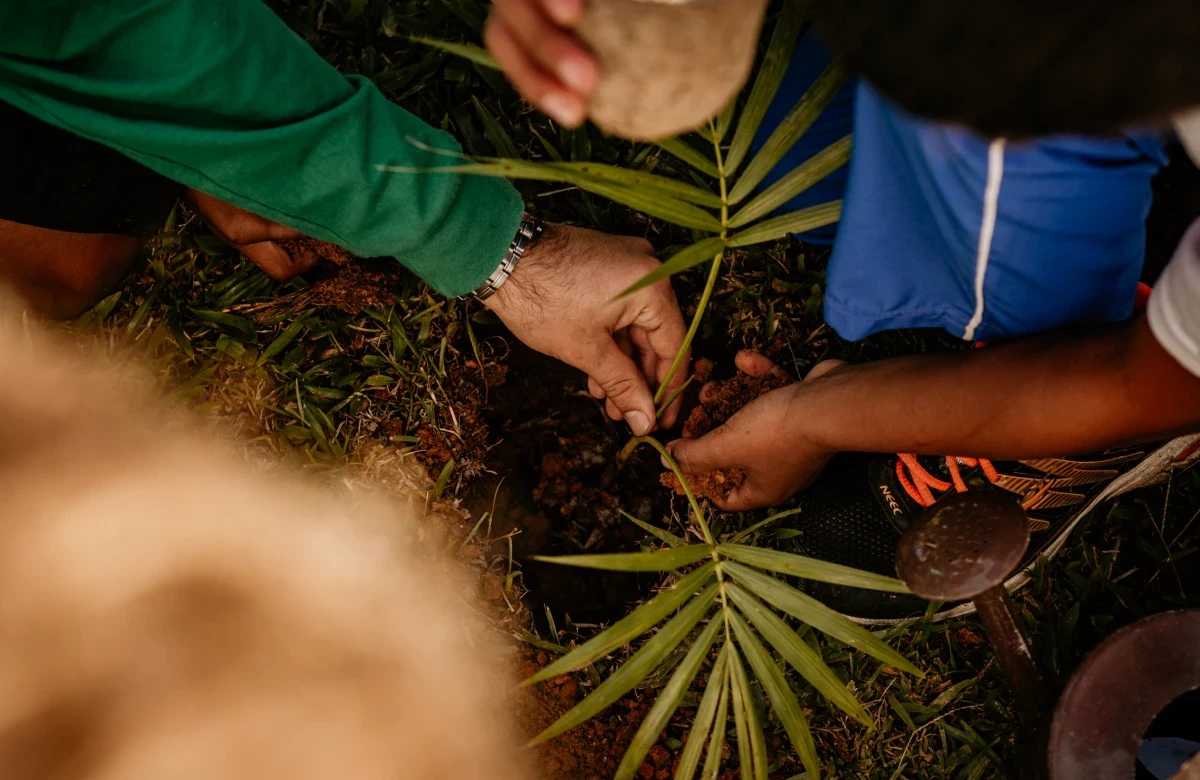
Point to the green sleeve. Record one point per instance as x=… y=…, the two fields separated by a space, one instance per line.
x=221 y=96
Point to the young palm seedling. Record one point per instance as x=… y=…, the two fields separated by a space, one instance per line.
x=727 y=608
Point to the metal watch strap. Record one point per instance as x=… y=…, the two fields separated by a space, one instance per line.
x=527 y=235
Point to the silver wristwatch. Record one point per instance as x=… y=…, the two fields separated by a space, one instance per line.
x=528 y=233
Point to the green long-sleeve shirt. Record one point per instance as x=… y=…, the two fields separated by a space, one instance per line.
x=221 y=96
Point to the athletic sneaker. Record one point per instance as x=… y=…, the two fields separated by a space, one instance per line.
x=856 y=512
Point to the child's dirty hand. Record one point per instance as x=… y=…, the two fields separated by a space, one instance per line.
x=764 y=440
x=533 y=42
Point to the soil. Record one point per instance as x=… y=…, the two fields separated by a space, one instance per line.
x=722 y=400
x=355 y=286
x=322 y=249
x=465 y=435
x=591 y=751
x=557 y=487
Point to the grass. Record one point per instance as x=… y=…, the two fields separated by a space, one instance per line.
x=333 y=387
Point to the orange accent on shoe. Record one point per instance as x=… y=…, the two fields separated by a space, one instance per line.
x=1142 y=298
x=919 y=484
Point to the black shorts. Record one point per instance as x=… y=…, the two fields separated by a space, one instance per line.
x=52 y=179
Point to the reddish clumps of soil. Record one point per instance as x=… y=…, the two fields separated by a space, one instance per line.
x=721 y=400
x=591 y=751
x=726 y=398
x=966 y=638
x=563 y=483
x=713 y=485
x=356 y=286
x=463 y=434
x=311 y=246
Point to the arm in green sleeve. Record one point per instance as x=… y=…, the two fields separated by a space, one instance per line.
x=221 y=96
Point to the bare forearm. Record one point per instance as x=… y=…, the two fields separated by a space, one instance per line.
x=1042 y=396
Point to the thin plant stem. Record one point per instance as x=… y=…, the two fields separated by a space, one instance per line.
x=635 y=442
x=712 y=276
x=695 y=326
x=671 y=398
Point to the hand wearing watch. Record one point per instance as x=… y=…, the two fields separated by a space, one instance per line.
x=528 y=233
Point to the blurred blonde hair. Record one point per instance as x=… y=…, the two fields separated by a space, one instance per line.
x=164 y=613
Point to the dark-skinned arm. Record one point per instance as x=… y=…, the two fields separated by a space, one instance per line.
x=1041 y=396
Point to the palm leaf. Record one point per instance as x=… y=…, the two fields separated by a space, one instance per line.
x=672 y=210
x=796 y=652
x=663 y=535
x=810 y=568
x=668 y=700
x=793 y=126
x=745 y=533
x=716 y=745
x=706 y=713
x=660 y=560
x=783 y=699
x=651 y=183
x=804 y=607
x=782 y=227
x=752 y=743
x=469 y=51
x=680 y=261
x=636 y=669
x=812 y=171
x=681 y=149
x=636 y=623
x=720 y=128
x=766 y=83
x=648 y=201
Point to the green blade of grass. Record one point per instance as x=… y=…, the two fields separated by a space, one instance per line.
x=752 y=743
x=680 y=261
x=636 y=623
x=660 y=560
x=668 y=701
x=494 y=131
x=646 y=181
x=468 y=51
x=804 y=607
x=443 y=479
x=281 y=342
x=796 y=652
x=783 y=699
x=793 y=126
x=766 y=83
x=663 y=535
x=681 y=149
x=784 y=226
x=636 y=669
x=716 y=745
x=706 y=714
x=810 y=568
x=809 y=173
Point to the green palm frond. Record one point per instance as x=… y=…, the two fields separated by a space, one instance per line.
x=729 y=602
x=733 y=603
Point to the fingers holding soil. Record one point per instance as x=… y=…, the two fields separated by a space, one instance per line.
x=720 y=401
x=756 y=364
